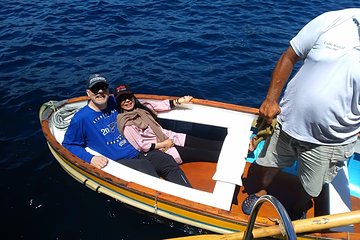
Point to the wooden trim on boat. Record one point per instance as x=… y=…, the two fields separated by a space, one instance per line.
x=194 y=100
x=205 y=103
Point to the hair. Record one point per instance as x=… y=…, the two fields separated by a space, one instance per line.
x=138 y=104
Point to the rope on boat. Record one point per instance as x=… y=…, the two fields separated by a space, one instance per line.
x=62 y=116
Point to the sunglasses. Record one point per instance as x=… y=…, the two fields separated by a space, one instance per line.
x=122 y=99
x=95 y=89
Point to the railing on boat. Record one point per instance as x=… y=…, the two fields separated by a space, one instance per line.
x=285 y=219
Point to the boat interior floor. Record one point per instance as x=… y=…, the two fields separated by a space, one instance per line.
x=284 y=187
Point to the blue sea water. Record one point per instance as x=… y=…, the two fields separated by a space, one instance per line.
x=217 y=50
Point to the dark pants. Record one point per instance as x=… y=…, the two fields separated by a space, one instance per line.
x=157 y=163
x=199 y=150
x=166 y=167
x=140 y=164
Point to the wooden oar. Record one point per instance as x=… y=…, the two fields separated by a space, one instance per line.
x=300 y=226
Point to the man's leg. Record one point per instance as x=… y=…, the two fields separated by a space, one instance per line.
x=141 y=165
x=300 y=206
x=277 y=153
x=268 y=174
x=318 y=165
x=166 y=167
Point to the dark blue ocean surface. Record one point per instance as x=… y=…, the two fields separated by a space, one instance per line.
x=217 y=50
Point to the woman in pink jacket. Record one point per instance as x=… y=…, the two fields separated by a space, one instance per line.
x=137 y=121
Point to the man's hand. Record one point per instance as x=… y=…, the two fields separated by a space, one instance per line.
x=99 y=161
x=269 y=110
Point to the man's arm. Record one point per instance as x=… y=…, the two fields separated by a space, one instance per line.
x=283 y=68
x=74 y=141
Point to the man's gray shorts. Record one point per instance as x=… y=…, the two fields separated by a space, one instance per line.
x=317 y=164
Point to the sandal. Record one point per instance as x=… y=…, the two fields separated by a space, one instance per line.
x=249 y=203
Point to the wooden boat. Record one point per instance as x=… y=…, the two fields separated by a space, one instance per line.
x=214 y=202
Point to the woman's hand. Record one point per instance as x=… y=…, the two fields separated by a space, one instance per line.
x=168 y=143
x=185 y=99
x=165 y=145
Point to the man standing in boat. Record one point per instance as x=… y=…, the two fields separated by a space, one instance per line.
x=94 y=126
x=319 y=115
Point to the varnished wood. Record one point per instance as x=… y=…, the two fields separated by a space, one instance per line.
x=200 y=175
x=300 y=226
